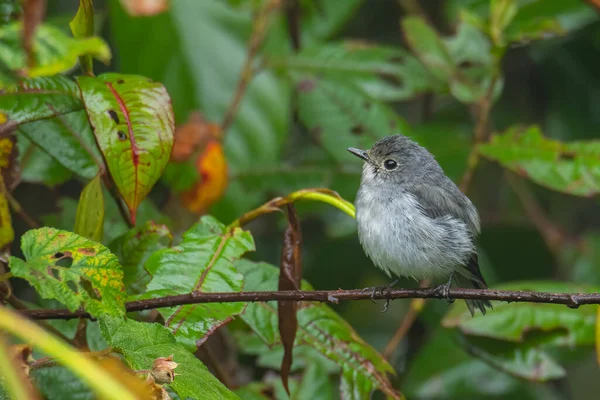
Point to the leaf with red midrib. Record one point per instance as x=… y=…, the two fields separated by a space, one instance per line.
x=133 y=122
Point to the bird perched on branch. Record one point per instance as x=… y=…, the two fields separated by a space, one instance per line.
x=412 y=219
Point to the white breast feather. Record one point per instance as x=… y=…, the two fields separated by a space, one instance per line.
x=409 y=243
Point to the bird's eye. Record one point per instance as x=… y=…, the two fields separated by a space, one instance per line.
x=390 y=165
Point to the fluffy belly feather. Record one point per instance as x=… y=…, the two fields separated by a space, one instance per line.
x=408 y=243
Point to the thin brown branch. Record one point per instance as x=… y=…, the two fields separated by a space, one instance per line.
x=481 y=134
x=553 y=236
x=259 y=30
x=18 y=209
x=572 y=300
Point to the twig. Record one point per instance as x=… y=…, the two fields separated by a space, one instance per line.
x=482 y=131
x=47 y=362
x=416 y=306
x=122 y=210
x=259 y=30
x=5 y=276
x=16 y=206
x=572 y=300
x=552 y=235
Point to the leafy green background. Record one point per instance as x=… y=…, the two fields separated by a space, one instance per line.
x=365 y=69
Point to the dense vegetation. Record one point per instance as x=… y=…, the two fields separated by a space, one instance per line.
x=143 y=152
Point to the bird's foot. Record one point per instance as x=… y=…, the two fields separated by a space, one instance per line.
x=444 y=290
x=381 y=290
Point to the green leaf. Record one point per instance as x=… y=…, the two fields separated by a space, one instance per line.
x=69 y=139
x=40 y=98
x=384 y=73
x=82 y=26
x=527 y=360
x=133 y=123
x=134 y=248
x=454 y=371
x=313 y=384
x=202 y=262
x=322 y=19
x=93 y=280
x=269 y=356
x=340 y=116
x=89 y=221
x=512 y=321
x=54 y=52
x=584 y=256
x=50 y=113
x=253 y=391
x=10 y=10
x=142 y=343
x=571 y=167
x=545 y=19
x=429 y=48
x=60 y=383
x=363 y=369
x=38 y=167
x=502 y=12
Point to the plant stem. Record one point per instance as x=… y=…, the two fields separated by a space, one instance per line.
x=482 y=131
x=5 y=276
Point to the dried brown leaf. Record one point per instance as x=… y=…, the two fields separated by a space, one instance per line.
x=290 y=278
x=193 y=136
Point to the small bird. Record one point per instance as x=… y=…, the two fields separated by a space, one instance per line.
x=412 y=219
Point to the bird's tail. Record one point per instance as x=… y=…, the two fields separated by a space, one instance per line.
x=473 y=278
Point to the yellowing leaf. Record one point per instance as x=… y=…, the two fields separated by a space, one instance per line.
x=8 y=179
x=71 y=269
x=212 y=167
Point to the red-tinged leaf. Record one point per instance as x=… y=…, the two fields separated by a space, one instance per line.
x=33 y=13
x=290 y=278
x=133 y=122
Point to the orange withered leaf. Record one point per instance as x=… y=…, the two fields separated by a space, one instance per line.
x=212 y=168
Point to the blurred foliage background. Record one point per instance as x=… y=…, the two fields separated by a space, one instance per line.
x=332 y=74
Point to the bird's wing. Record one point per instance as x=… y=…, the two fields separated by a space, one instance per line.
x=437 y=202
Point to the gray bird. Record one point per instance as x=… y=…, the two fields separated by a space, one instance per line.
x=412 y=219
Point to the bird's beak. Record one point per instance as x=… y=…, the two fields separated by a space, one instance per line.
x=359 y=153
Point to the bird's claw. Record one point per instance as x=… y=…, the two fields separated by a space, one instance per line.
x=444 y=291
x=381 y=290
